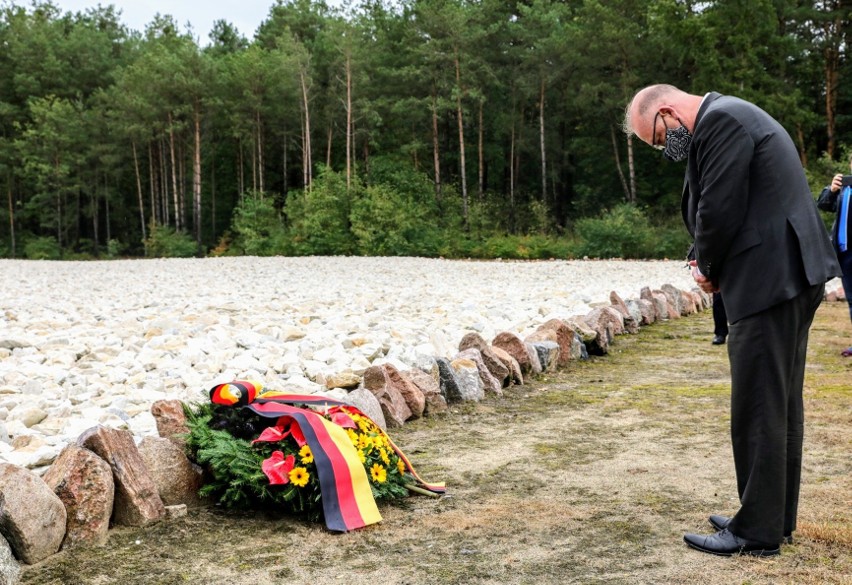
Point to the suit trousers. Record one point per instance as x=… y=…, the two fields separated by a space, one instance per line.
x=845 y=259
x=720 y=317
x=767 y=354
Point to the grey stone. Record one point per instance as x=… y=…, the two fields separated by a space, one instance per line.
x=32 y=517
x=366 y=402
x=10 y=570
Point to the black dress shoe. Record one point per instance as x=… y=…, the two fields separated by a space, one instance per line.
x=718 y=340
x=721 y=522
x=725 y=544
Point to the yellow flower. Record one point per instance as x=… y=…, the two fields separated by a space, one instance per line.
x=362 y=457
x=384 y=455
x=364 y=426
x=379 y=473
x=306 y=455
x=401 y=466
x=299 y=476
x=365 y=443
x=353 y=436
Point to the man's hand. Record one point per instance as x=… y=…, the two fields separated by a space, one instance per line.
x=835 y=183
x=702 y=281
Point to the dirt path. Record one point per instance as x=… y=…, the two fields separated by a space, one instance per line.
x=591 y=475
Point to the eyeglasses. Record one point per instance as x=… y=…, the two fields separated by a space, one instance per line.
x=654 y=134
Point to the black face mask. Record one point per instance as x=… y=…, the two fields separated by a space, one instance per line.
x=677 y=143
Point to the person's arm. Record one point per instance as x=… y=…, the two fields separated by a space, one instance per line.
x=724 y=150
x=828 y=198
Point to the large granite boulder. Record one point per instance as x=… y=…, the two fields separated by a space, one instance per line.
x=170 y=420
x=83 y=481
x=495 y=366
x=366 y=402
x=32 y=517
x=431 y=389
x=176 y=477
x=515 y=347
x=470 y=384
x=137 y=501
x=394 y=405
x=489 y=383
x=515 y=374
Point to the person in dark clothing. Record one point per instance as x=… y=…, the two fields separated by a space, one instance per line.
x=759 y=239
x=720 y=320
x=832 y=199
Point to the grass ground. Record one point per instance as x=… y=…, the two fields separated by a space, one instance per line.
x=590 y=475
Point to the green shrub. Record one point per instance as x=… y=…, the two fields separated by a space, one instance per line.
x=670 y=240
x=115 y=248
x=42 y=248
x=256 y=227
x=623 y=232
x=165 y=242
x=319 y=217
x=381 y=218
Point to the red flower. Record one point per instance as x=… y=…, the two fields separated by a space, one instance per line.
x=342 y=419
x=272 y=435
x=277 y=468
x=297 y=434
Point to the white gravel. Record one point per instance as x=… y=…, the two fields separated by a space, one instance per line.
x=86 y=343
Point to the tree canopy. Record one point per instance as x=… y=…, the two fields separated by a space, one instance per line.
x=404 y=127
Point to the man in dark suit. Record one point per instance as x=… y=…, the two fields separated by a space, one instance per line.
x=837 y=199
x=758 y=239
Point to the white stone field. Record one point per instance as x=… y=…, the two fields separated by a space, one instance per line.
x=87 y=343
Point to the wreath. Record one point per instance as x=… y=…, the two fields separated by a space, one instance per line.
x=303 y=454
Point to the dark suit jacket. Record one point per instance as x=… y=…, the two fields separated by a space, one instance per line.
x=749 y=208
x=828 y=201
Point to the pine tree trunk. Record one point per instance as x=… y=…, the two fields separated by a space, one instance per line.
x=459 y=116
x=260 y=153
x=107 y=220
x=512 y=176
x=181 y=158
x=139 y=190
x=631 y=167
x=304 y=156
x=164 y=183
x=155 y=211
x=241 y=166
x=542 y=142
x=11 y=201
x=308 y=161
x=178 y=226
x=196 y=181
x=213 y=200
x=95 y=219
x=349 y=144
x=254 y=140
x=284 y=169
x=436 y=149
x=481 y=183
x=800 y=137
x=329 y=138
x=627 y=194
x=831 y=83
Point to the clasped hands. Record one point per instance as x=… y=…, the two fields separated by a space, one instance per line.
x=702 y=281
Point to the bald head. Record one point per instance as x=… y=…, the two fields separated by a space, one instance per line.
x=665 y=100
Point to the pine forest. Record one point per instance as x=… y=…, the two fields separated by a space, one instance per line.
x=454 y=128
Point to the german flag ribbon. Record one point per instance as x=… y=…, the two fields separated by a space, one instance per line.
x=347 y=498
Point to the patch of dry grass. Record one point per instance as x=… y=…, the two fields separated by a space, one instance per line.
x=591 y=475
